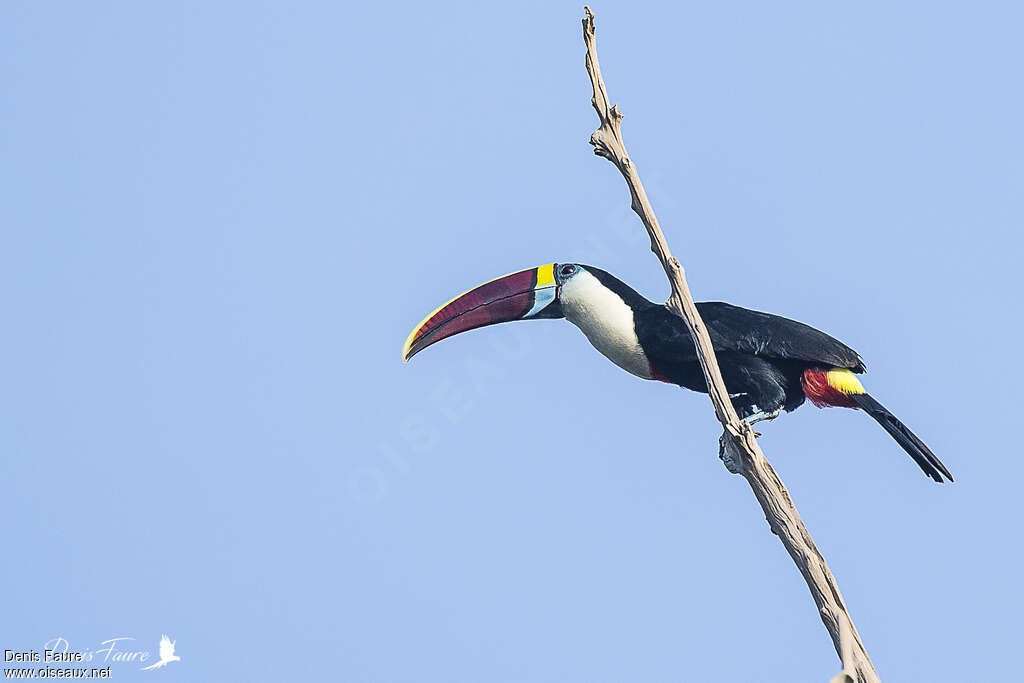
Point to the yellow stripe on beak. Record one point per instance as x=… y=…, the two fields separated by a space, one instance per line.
x=546 y=275
x=415 y=331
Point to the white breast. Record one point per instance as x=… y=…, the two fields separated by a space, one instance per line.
x=606 y=320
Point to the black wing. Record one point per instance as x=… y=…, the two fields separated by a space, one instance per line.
x=664 y=335
x=772 y=336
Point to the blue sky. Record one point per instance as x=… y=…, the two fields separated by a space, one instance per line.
x=221 y=220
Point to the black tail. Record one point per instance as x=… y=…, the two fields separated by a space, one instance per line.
x=917 y=449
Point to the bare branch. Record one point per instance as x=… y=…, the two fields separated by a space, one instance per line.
x=738 y=446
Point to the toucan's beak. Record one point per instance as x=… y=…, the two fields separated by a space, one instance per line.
x=524 y=295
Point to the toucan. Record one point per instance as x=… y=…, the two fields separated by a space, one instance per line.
x=770 y=364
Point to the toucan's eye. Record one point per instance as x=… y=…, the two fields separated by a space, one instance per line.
x=567 y=270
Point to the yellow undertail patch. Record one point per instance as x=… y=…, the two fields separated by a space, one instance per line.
x=845 y=381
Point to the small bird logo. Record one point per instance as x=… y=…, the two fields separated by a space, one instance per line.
x=166 y=654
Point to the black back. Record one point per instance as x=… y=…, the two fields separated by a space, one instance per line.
x=663 y=335
x=772 y=336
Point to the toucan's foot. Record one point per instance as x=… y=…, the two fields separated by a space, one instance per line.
x=762 y=415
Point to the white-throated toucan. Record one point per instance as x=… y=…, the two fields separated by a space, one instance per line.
x=769 y=363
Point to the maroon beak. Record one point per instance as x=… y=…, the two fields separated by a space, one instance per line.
x=527 y=294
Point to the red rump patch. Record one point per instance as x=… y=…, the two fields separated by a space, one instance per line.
x=822 y=394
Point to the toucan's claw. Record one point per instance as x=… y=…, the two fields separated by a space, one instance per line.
x=761 y=416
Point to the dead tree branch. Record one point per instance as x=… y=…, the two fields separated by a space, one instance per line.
x=738 y=446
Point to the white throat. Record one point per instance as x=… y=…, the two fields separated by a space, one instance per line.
x=606 y=320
